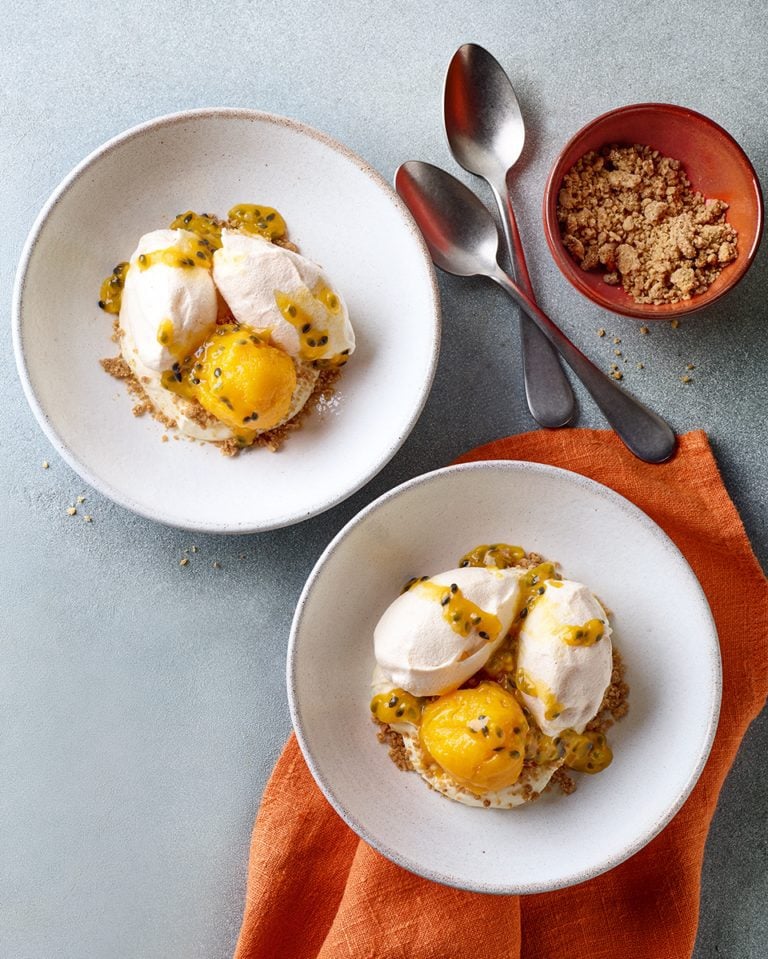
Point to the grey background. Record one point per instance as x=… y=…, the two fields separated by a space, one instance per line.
x=142 y=705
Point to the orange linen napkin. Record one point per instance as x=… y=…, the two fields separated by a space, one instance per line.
x=316 y=891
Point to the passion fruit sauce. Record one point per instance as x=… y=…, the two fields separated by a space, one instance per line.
x=586 y=752
x=216 y=376
x=258 y=220
x=250 y=218
x=297 y=309
x=111 y=291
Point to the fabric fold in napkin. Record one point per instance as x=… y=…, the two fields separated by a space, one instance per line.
x=316 y=891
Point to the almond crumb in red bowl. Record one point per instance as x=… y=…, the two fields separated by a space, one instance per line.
x=653 y=211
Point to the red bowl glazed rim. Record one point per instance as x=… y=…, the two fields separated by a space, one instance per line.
x=566 y=263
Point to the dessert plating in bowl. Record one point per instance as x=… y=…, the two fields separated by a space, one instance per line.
x=356 y=227
x=496 y=677
x=659 y=621
x=225 y=331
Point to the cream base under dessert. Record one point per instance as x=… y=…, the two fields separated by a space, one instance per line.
x=533 y=779
x=185 y=414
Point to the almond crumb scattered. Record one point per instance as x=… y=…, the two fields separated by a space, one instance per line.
x=615 y=704
x=117 y=367
x=394 y=740
x=561 y=778
x=193 y=549
x=184 y=561
x=690 y=366
x=617 y=352
x=216 y=564
x=141 y=409
x=641 y=366
x=616 y=340
x=617 y=375
x=80 y=499
x=88 y=518
x=644 y=330
x=164 y=438
x=674 y=323
x=686 y=379
x=46 y=464
x=71 y=511
x=601 y=332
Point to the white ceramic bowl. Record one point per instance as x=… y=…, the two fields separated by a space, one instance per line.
x=663 y=628
x=339 y=211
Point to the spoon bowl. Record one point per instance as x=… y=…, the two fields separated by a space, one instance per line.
x=460 y=233
x=483 y=121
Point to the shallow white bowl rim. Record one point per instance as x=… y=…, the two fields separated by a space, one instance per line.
x=58 y=193
x=568 y=878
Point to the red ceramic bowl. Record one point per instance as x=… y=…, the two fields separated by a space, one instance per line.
x=716 y=166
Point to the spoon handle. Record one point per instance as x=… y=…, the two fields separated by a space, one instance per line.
x=645 y=433
x=547 y=390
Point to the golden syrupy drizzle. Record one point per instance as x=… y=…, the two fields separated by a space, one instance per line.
x=258 y=220
x=499 y=555
x=397 y=706
x=586 y=752
x=111 y=291
x=204 y=225
x=298 y=310
x=587 y=635
x=504 y=556
x=533 y=687
x=534 y=583
x=246 y=217
x=412 y=582
x=327 y=297
x=189 y=252
x=312 y=339
x=503 y=662
x=165 y=335
x=461 y=614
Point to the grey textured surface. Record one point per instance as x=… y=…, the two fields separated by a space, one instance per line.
x=142 y=705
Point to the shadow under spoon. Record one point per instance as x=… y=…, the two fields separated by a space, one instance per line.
x=486 y=134
x=463 y=240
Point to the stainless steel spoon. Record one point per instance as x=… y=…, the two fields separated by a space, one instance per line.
x=463 y=240
x=486 y=134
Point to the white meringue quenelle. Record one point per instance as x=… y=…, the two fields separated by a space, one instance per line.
x=564 y=657
x=442 y=630
x=270 y=288
x=167 y=309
